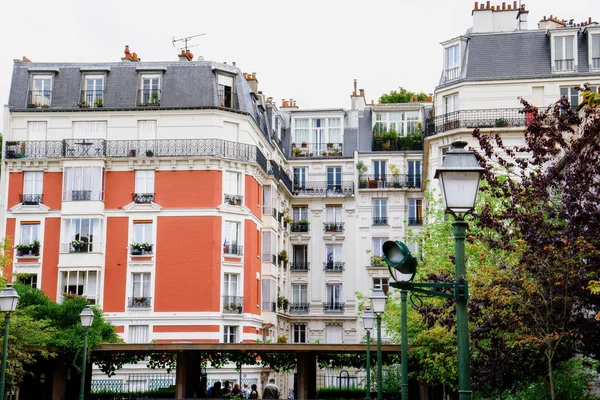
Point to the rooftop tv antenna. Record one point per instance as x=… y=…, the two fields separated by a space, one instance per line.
x=185 y=41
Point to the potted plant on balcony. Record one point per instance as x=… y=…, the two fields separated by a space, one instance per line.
x=154 y=98
x=139 y=299
x=283 y=257
x=98 y=102
x=32 y=249
x=287 y=219
x=396 y=175
x=137 y=249
x=77 y=245
x=83 y=104
x=297 y=152
x=149 y=153
x=330 y=145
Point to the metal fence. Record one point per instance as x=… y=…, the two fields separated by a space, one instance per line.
x=485 y=118
x=142 y=382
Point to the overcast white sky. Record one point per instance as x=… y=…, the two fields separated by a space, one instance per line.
x=308 y=50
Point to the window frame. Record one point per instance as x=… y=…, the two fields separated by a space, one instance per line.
x=376 y=246
x=32 y=234
x=69 y=233
x=230 y=332
x=145 y=99
x=594 y=45
x=46 y=97
x=145 y=284
x=83 y=184
x=563 y=36
x=299 y=333
x=415 y=211
x=36 y=177
x=85 y=284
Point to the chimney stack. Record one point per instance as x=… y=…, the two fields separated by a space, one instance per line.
x=252 y=82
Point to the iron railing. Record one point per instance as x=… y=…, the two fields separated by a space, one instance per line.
x=139 y=302
x=31 y=199
x=233 y=249
x=233 y=304
x=389 y=181
x=333 y=226
x=149 y=97
x=133 y=383
x=299 y=307
x=333 y=306
x=300 y=227
x=143 y=198
x=299 y=266
x=568 y=64
x=102 y=148
x=39 y=98
x=92 y=98
x=278 y=173
x=380 y=220
x=486 y=118
x=234 y=199
x=316 y=149
x=324 y=189
x=402 y=143
x=228 y=99
x=415 y=221
x=333 y=266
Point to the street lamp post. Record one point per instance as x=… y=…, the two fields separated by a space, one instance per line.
x=368 y=325
x=87 y=317
x=8 y=303
x=378 y=299
x=459 y=178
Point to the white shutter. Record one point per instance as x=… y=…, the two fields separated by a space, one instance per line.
x=89 y=130
x=231 y=131
x=146 y=130
x=334 y=334
x=36 y=130
x=138 y=333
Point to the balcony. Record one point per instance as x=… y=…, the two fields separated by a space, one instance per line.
x=300 y=226
x=299 y=266
x=28 y=250
x=149 y=97
x=81 y=246
x=299 y=307
x=470 y=119
x=141 y=249
x=333 y=266
x=415 y=221
x=401 y=143
x=31 y=199
x=378 y=221
x=233 y=304
x=566 y=65
x=316 y=149
x=452 y=73
x=233 y=249
x=102 y=148
x=91 y=98
x=143 y=198
x=333 y=306
x=39 y=98
x=279 y=174
x=139 y=302
x=228 y=99
x=234 y=199
x=389 y=181
x=324 y=189
x=333 y=226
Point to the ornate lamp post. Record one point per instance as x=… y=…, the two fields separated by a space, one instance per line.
x=8 y=303
x=459 y=178
x=368 y=325
x=87 y=317
x=378 y=299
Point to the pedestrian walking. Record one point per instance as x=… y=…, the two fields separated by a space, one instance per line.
x=271 y=391
x=246 y=391
x=253 y=392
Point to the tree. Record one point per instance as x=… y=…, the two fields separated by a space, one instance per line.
x=403 y=95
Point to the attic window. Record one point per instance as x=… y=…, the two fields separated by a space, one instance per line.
x=226 y=91
x=595 y=52
x=452 y=67
x=564 y=53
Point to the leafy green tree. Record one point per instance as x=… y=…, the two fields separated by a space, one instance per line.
x=402 y=95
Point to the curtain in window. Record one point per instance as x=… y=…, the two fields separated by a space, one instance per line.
x=379 y=208
x=334 y=253
x=299 y=293
x=334 y=214
x=300 y=131
x=82 y=183
x=141 y=285
x=232 y=230
x=230 y=285
x=335 y=132
x=142 y=232
x=232 y=183
x=144 y=182
x=377 y=243
x=29 y=233
x=32 y=182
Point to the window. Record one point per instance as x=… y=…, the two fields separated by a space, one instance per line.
x=269 y=295
x=150 y=91
x=333 y=295
x=27 y=279
x=232 y=239
x=379 y=171
x=452 y=62
x=334 y=334
x=415 y=216
x=595 y=51
x=381 y=283
x=299 y=214
x=80 y=283
x=299 y=295
x=316 y=133
x=83 y=183
x=87 y=130
x=299 y=178
x=406 y=122
x=414 y=174
x=299 y=333
x=232 y=188
x=32 y=188
x=226 y=92
x=564 y=53
x=266 y=246
x=301 y=131
x=140 y=285
x=334 y=257
x=81 y=235
x=41 y=91
x=300 y=257
x=451 y=103
x=230 y=334
x=380 y=213
x=334 y=179
x=333 y=214
x=230 y=284
x=267 y=200
x=144 y=187
x=574 y=95
x=93 y=92
x=142 y=234
x=30 y=232
x=139 y=333
x=377 y=243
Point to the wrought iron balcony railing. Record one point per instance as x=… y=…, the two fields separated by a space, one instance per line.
x=143 y=198
x=149 y=97
x=233 y=249
x=31 y=199
x=233 y=304
x=139 y=302
x=92 y=98
x=316 y=149
x=333 y=306
x=234 y=199
x=415 y=221
x=300 y=227
x=39 y=98
x=380 y=221
x=333 y=226
x=488 y=118
x=323 y=189
x=299 y=266
x=279 y=173
x=389 y=181
x=333 y=266
x=565 y=65
x=102 y=148
x=402 y=143
x=299 y=307
x=228 y=99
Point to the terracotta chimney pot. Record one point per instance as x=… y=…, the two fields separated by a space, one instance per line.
x=503 y=5
x=476 y=5
x=487 y=5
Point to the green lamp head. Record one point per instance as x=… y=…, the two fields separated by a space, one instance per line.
x=401 y=263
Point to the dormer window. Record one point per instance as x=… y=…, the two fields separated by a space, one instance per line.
x=40 y=94
x=92 y=94
x=594 y=49
x=226 y=91
x=150 y=90
x=452 y=68
x=564 y=52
